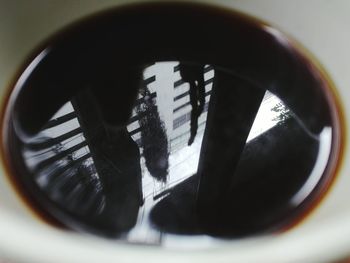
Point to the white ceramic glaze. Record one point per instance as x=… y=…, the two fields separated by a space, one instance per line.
x=319 y=25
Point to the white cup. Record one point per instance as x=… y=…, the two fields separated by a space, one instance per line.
x=321 y=26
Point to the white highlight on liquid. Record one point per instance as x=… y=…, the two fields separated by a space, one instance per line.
x=325 y=139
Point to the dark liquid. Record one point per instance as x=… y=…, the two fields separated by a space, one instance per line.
x=171 y=118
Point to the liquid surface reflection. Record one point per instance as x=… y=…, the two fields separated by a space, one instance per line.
x=203 y=153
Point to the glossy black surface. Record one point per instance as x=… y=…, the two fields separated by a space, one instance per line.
x=145 y=122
